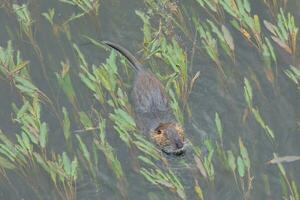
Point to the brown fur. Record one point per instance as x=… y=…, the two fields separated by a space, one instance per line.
x=159 y=135
x=154 y=116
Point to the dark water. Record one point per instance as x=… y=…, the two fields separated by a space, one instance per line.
x=119 y=23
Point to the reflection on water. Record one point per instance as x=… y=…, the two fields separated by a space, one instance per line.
x=115 y=173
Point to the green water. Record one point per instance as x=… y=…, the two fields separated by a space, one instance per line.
x=118 y=22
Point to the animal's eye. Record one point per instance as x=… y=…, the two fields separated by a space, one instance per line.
x=158 y=132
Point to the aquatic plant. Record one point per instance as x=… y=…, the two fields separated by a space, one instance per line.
x=291 y=191
x=248 y=94
x=209 y=43
x=29 y=152
x=86 y=6
x=213 y=8
x=92 y=140
x=166 y=179
x=285 y=32
x=25 y=20
x=61 y=27
x=65 y=83
x=294 y=74
x=275 y=5
x=11 y=63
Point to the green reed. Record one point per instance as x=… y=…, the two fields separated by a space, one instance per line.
x=30 y=151
x=225 y=39
x=220 y=143
x=238 y=164
x=275 y=5
x=26 y=25
x=248 y=25
x=248 y=94
x=242 y=20
x=175 y=57
x=104 y=79
x=111 y=158
x=14 y=70
x=148 y=149
x=169 y=14
x=250 y=28
x=166 y=179
x=67 y=129
x=11 y=63
x=62 y=172
x=65 y=83
x=124 y=125
x=25 y=20
x=213 y=8
x=209 y=43
x=61 y=27
x=87 y=6
x=285 y=32
x=288 y=184
x=30 y=154
x=294 y=74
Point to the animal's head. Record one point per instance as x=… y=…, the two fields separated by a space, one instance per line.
x=169 y=137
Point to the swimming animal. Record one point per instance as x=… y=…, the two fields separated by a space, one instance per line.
x=153 y=114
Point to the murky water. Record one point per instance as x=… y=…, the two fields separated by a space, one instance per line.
x=118 y=22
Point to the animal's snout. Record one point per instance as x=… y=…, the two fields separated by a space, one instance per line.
x=178 y=143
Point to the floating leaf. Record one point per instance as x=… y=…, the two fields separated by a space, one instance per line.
x=282 y=44
x=228 y=37
x=270 y=27
x=231 y=160
x=66 y=124
x=263 y=124
x=198 y=191
x=147 y=161
x=85 y=120
x=294 y=74
x=244 y=154
x=282 y=159
x=83 y=148
x=4 y=163
x=248 y=92
x=271 y=49
x=200 y=166
x=66 y=163
x=218 y=125
x=74 y=166
x=43 y=134
x=240 y=166
x=147 y=27
x=65 y=82
x=256 y=24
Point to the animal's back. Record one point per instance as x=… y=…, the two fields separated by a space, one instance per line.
x=148 y=94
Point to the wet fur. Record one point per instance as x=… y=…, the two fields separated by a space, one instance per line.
x=151 y=105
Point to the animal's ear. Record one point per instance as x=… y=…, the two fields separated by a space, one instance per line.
x=158 y=132
x=160 y=126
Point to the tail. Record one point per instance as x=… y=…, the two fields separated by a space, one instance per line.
x=133 y=61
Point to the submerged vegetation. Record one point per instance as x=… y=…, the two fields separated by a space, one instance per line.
x=67 y=125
